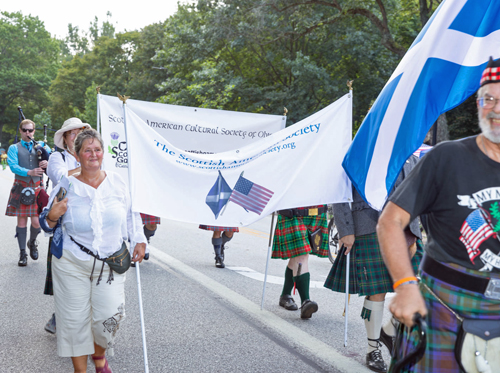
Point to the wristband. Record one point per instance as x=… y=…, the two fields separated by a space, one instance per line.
x=406 y=280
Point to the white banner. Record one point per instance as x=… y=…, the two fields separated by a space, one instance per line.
x=197 y=130
x=297 y=166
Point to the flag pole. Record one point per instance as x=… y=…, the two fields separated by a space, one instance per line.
x=346 y=307
x=98 y=109
x=267 y=262
x=137 y=270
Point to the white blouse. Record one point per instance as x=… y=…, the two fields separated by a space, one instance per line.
x=59 y=167
x=99 y=219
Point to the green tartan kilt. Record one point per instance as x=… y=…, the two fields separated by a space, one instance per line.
x=49 y=290
x=368 y=274
x=291 y=237
x=442 y=326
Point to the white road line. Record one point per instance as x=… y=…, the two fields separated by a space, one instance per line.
x=249 y=272
x=292 y=334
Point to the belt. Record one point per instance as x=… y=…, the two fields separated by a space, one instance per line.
x=290 y=213
x=453 y=277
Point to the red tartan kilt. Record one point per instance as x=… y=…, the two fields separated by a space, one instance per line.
x=150 y=219
x=24 y=210
x=218 y=229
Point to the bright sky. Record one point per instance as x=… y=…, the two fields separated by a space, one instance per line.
x=126 y=15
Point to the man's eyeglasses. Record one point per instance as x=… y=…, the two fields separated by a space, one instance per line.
x=30 y=130
x=488 y=102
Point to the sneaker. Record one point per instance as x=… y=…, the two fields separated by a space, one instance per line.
x=387 y=340
x=51 y=324
x=308 y=308
x=219 y=261
x=23 y=259
x=375 y=362
x=288 y=303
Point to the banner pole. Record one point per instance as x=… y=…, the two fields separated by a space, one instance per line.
x=137 y=270
x=349 y=84
x=267 y=262
x=98 y=110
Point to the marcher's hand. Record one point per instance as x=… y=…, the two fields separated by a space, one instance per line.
x=347 y=241
x=407 y=301
x=43 y=164
x=139 y=252
x=36 y=171
x=58 y=209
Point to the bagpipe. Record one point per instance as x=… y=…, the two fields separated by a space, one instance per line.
x=42 y=153
x=42 y=197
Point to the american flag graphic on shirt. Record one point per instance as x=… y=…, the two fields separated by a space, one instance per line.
x=474 y=232
x=250 y=196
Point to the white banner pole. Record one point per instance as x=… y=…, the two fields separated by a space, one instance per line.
x=137 y=270
x=346 y=298
x=98 y=117
x=267 y=261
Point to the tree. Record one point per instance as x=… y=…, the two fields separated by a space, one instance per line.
x=28 y=63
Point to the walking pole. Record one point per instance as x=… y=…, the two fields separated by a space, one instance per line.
x=267 y=262
x=346 y=298
x=137 y=271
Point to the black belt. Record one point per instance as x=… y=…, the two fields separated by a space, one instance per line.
x=452 y=276
x=290 y=213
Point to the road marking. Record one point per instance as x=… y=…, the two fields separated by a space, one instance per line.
x=250 y=273
x=254 y=232
x=292 y=334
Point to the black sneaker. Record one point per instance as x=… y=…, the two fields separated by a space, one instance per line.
x=219 y=261
x=23 y=259
x=375 y=362
x=287 y=302
x=33 y=246
x=308 y=308
x=387 y=340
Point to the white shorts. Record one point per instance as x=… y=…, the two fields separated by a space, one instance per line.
x=86 y=313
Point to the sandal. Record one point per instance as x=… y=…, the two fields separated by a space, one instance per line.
x=105 y=368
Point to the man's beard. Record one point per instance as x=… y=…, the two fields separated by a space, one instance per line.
x=488 y=130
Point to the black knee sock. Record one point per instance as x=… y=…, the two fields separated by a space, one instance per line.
x=302 y=285
x=217 y=242
x=148 y=233
x=21 y=234
x=34 y=232
x=225 y=238
x=288 y=285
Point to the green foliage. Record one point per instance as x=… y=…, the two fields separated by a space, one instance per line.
x=29 y=58
x=89 y=115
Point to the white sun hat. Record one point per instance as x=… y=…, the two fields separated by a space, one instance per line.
x=68 y=125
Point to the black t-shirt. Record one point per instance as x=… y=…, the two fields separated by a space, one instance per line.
x=458 y=187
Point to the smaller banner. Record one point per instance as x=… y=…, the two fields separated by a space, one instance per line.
x=295 y=167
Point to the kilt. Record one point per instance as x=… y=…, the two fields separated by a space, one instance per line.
x=24 y=210
x=49 y=290
x=368 y=274
x=218 y=229
x=150 y=219
x=291 y=236
x=442 y=325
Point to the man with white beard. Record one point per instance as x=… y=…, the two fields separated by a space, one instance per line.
x=457 y=184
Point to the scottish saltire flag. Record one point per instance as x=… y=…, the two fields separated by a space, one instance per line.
x=440 y=70
x=250 y=196
x=474 y=232
x=218 y=195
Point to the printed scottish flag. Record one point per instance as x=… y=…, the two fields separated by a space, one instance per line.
x=250 y=196
x=441 y=69
x=218 y=195
x=475 y=230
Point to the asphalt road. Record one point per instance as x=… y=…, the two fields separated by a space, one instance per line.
x=198 y=318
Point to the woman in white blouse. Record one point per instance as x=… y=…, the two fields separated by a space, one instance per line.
x=97 y=215
x=62 y=164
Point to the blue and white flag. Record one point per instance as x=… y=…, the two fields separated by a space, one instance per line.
x=441 y=69
x=218 y=196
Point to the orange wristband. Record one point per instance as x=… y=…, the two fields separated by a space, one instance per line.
x=411 y=279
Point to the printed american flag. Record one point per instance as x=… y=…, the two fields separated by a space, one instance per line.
x=475 y=231
x=420 y=152
x=250 y=196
